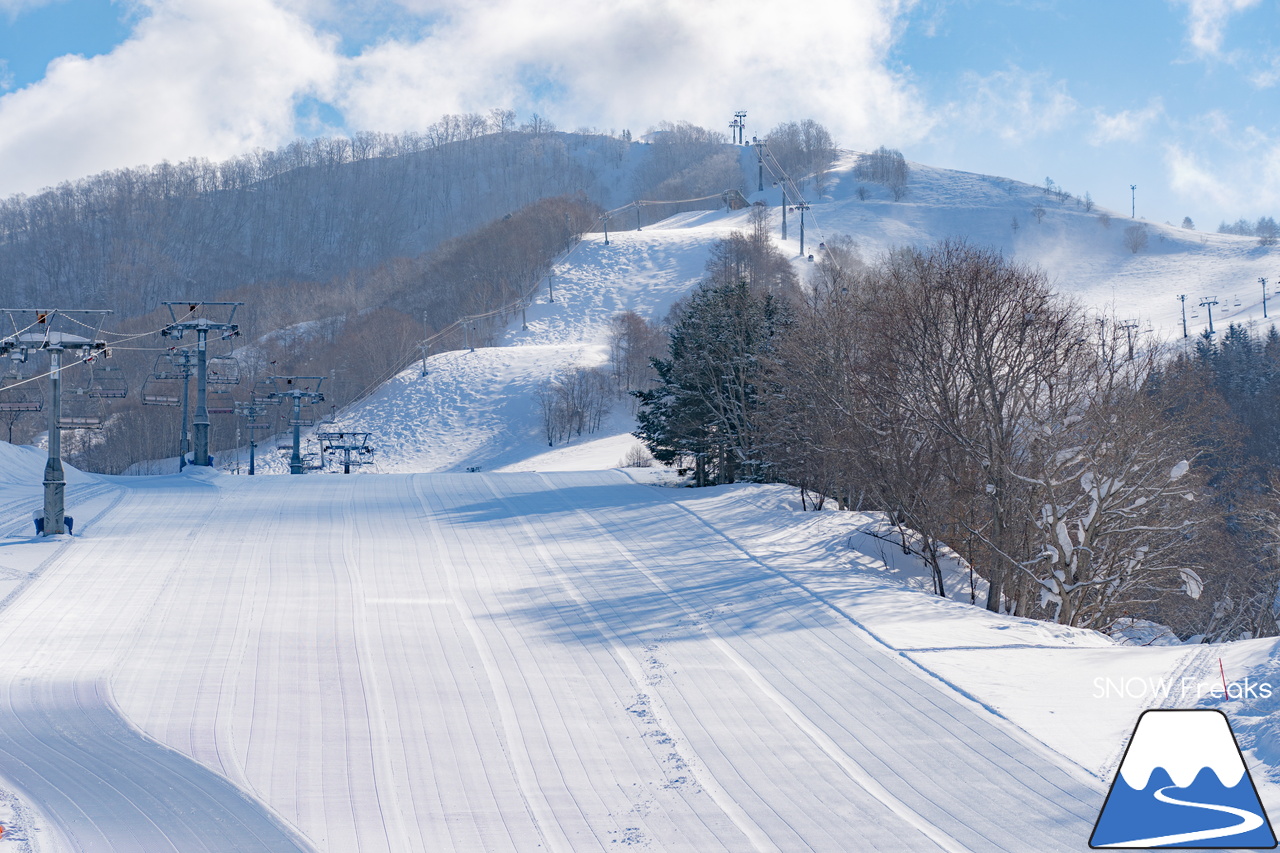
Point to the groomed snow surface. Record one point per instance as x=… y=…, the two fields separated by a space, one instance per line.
x=531 y=661
x=549 y=655
x=490 y=662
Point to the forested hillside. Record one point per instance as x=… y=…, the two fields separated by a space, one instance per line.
x=346 y=252
x=317 y=209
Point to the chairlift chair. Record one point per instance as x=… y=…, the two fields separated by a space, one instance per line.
x=222 y=370
x=20 y=395
x=220 y=403
x=313 y=457
x=162 y=392
x=108 y=382
x=80 y=409
x=80 y=422
x=165 y=368
x=262 y=391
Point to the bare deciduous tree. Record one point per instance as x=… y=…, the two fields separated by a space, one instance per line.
x=1136 y=238
x=633 y=343
x=574 y=403
x=885 y=166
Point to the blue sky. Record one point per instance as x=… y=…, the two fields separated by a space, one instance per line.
x=1176 y=96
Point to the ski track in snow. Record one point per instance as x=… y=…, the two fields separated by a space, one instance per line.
x=65 y=745
x=482 y=662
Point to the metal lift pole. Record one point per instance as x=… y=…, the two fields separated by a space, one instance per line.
x=55 y=480
x=202 y=399
x=185 y=444
x=295 y=461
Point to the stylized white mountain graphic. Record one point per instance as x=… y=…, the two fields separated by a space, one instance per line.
x=1183 y=783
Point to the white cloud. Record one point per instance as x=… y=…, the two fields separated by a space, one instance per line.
x=1207 y=21
x=1266 y=76
x=216 y=77
x=632 y=63
x=1126 y=125
x=1246 y=185
x=1191 y=179
x=196 y=78
x=1016 y=105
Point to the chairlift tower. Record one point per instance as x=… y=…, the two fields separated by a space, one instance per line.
x=1129 y=328
x=298 y=389
x=34 y=330
x=181 y=364
x=189 y=322
x=251 y=411
x=802 y=206
x=782 y=187
x=1209 y=302
x=347 y=443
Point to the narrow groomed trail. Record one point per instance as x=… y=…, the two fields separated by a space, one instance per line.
x=482 y=662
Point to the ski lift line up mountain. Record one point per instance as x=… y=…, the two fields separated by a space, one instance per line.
x=723 y=195
x=513 y=306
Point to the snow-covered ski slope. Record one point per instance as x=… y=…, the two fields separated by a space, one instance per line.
x=500 y=662
x=1082 y=251
x=533 y=661
x=476 y=409
x=549 y=655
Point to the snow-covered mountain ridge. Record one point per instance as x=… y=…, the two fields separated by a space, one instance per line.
x=476 y=409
